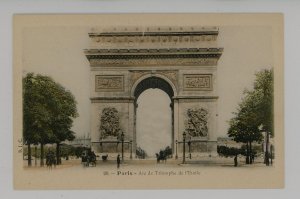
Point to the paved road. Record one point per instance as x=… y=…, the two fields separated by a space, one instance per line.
x=152 y=163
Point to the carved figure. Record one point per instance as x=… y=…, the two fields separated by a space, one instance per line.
x=197 y=122
x=110 y=124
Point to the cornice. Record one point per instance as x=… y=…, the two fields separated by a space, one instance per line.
x=133 y=34
x=152 y=50
x=153 y=53
x=154 y=31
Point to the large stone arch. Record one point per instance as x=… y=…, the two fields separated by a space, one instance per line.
x=181 y=61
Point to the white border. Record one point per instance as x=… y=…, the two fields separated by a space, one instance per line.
x=292 y=94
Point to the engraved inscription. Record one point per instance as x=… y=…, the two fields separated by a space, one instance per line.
x=109 y=83
x=198 y=82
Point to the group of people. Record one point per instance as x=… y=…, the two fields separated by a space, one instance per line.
x=50 y=159
x=88 y=157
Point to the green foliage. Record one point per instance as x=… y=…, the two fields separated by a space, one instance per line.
x=228 y=151
x=48 y=110
x=255 y=110
x=264 y=88
x=66 y=150
x=79 y=150
x=254 y=150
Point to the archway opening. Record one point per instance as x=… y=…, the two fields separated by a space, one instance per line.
x=154 y=121
x=154 y=118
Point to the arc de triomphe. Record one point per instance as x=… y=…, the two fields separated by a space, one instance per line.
x=181 y=61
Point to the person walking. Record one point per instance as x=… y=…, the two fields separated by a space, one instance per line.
x=118 y=161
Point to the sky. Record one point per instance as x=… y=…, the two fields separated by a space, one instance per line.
x=57 y=51
x=153 y=138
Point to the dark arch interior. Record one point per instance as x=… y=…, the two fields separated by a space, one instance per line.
x=153 y=82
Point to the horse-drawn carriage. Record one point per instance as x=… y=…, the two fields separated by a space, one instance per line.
x=163 y=155
x=88 y=158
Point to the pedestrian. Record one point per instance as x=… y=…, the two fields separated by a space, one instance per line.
x=235 y=161
x=118 y=161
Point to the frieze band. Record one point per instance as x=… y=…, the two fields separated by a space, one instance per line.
x=154 y=62
x=109 y=83
x=199 y=82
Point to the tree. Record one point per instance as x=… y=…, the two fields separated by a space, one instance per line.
x=36 y=118
x=264 y=93
x=48 y=112
x=244 y=127
x=63 y=114
x=264 y=88
x=255 y=110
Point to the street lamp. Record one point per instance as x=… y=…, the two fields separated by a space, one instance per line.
x=267 y=150
x=122 y=139
x=271 y=154
x=267 y=162
x=189 y=143
x=183 y=158
x=35 y=152
x=176 y=156
x=130 y=149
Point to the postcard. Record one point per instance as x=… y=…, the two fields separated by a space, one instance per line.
x=148 y=101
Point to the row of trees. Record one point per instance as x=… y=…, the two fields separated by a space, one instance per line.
x=65 y=151
x=48 y=113
x=255 y=114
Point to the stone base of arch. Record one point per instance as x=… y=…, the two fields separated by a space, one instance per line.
x=200 y=146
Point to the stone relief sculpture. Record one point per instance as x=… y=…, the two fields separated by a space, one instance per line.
x=109 y=123
x=196 y=125
x=198 y=82
x=109 y=83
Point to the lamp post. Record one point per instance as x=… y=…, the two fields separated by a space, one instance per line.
x=271 y=151
x=266 y=161
x=183 y=158
x=130 y=149
x=35 y=158
x=176 y=155
x=189 y=144
x=122 y=140
x=267 y=149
